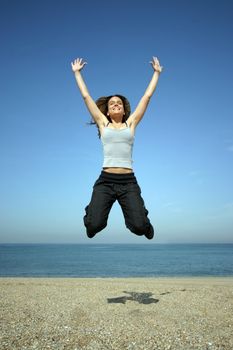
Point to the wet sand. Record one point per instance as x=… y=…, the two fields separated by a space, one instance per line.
x=116 y=313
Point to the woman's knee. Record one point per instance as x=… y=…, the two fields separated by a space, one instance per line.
x=92 y=228
x=93 y=224
x=139 y=224
x=140 y=228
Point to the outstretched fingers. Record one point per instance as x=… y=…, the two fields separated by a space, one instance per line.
x=80 y=60
x=78 y=64
x=156 y=65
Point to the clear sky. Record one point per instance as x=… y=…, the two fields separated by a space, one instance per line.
x=183 y=151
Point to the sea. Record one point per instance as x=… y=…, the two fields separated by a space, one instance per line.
x=116 y=260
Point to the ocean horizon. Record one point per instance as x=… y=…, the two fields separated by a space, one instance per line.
x=116 y=260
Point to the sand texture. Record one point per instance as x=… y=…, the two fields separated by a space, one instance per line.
x=116 y=313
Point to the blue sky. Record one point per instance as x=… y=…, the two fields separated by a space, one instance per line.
x=183 y=152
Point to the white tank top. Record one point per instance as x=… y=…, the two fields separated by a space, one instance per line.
x=117 y=147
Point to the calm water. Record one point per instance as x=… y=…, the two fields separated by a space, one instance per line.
x=115 y=260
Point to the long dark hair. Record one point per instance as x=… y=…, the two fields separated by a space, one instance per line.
x=102 y=104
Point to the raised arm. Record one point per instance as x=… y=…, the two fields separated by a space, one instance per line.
x=97 y=115
x=137 y=115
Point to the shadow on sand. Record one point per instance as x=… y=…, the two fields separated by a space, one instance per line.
x=141 y=298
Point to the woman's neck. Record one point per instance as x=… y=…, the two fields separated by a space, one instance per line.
x=117 y=125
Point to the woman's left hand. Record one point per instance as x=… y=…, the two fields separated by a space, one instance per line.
x=156 y=65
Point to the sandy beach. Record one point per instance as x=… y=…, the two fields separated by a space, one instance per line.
x=116 y=313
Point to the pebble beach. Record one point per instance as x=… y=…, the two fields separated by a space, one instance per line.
x=116 y=313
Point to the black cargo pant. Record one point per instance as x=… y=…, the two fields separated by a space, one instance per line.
x=121 y=187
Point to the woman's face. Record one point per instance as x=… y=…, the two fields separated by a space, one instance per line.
x=115 y=106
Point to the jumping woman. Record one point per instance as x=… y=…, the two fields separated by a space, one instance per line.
x=116 y=128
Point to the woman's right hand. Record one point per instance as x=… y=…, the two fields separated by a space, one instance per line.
x=78 y=65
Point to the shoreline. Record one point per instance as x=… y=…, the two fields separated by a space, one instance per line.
x=135 y=313
x=121 y=278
